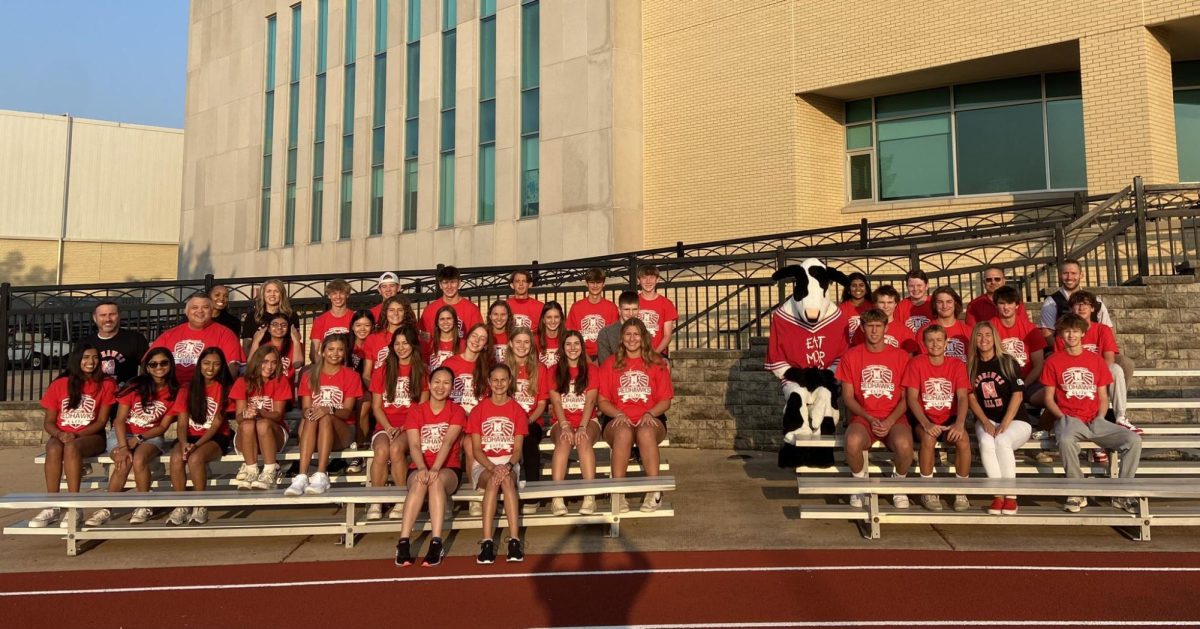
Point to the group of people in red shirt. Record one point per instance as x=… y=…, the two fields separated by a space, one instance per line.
x=429 y=395
x=916 y=368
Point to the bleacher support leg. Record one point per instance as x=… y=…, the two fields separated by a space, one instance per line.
x=72 y=530
x=350 y=524
x=1144 y=516
x=873 y=513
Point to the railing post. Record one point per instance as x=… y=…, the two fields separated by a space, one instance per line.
x=632 y=272
x=209 y=282
x=914 y=260
x=5 y=296
x=1077 y=205
x=533 y=274
x=678 y=248
x=863 y=237
x=1143 y=249
x=780 y=261
x=1060 y=245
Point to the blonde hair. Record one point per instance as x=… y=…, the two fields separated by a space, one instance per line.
x=530 y=362
x=1009 y=367
x=260 y=304
x=318 y=365
x=648 y=354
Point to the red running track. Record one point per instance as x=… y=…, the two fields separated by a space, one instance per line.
x=770 y=588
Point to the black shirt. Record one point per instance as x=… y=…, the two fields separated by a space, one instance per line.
x=224 y=318
x=251 y=325
x=993 y=391
x=120 y=355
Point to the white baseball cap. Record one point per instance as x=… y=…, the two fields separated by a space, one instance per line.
x=388 y=278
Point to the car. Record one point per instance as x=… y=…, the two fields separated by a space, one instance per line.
x=35 y=350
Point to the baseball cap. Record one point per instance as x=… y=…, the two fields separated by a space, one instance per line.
x=388 y=278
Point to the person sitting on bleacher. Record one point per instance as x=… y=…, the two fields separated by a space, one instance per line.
x=207 y=436
x=187 y=341
x=936 y=389
x=573 y=395
x=397 y=385
x=1077 y=397
x=997 y=401
x=1101 y=340
x=496 y=429
x=608 y=340
x=284 y=336
x=531 y=382
x=947 y=308
x=470 y=368
x=1018 y=337
x=77 y=405
x=262 y=396
x=871 y=391
x=328 y=393
x=896 y=333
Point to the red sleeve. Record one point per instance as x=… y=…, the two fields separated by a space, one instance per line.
x=377 y=384
x=909 y=344
x=413 y=421
x=458 y=417
x=351 y=383
x=475 y=420
x=317 y=331
x=108 y=392
x=664 y=389
x=844 y=371
x=912 y=376
x=162 y=341
x=1103 y=375
x=1034 y=339
x=545 y=382
x=282 y=389
x=238 y=392
x=669 y=311
x=961 y=381
x=606 y=377
x=573 y=316
x=230 y=345
x=519 y=419
x=1050 y=372
x=305 y=389
x=128 y=399
x=1108 y=342
x=53 y=397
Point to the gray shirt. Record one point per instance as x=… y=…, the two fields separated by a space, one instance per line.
x=1046 y=316
x=607 y=342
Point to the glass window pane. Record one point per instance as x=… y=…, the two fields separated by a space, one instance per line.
x=914 y=158
x=268 y=123
x=412 y=100
x=293 y=114
x=487 y=121
x=347 y=206
x=912 y=103
x=295 y=55
x=410 y=194
x=376 y=200
x=318 y=213
x=449 y=14
x=377 y=146
x=289 y=216
x=1187 y=133
x=448 y=130
x=487 y=59
x=487 y=7
x=446 y=191
x=449 y=69
x=319 y=118
x=318 y=160
x=322 y=35
x=414 y=20
x=348 y=101
x=264 y=220
x=1064 y=127
x=858 y=110
x=270 y=74
x=347 y=153
x=411 y=136
x=530 y=55
x=487 y=183
x=1062 y=84
x=1185 y=74
x=858 y=137
x=380 y=91
x=530 y=112
x=291 y=165
x=1001 y=149
x=266 y=171
x=530 y=175
x=995 y=92
x=381 y=26
x=860 y=177
x=351 y=41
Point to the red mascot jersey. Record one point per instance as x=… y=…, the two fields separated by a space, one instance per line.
x=795 y=343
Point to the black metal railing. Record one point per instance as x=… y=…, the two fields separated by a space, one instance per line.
x=723 y=290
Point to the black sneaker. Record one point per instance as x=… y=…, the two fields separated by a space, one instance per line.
x=515 y=552
x=433 y=557
x=403 y=553
x=487 y=552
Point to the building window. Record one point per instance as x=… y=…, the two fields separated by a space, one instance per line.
x=412 y=109
x=487 y=111
x=1185 y=75
x=378 y=117
x=264 y=220
x=346 y=194
x=449 y=102
x=318 y=165
x=530 y=106
x=293 y=145
x=1021 y=134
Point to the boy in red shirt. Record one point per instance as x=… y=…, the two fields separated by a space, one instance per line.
x=916 y=310
x=526 y=311
x=947 y=307
x=936 y=390
x=468 y=313
x=336 y=320
x=656 y=311
x=1076 y=396
x=895 y=334
x=1018 y=336
x=871 y=393
x=594 y=313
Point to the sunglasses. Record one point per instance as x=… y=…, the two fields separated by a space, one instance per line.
x=989 y=280
x=155 y=364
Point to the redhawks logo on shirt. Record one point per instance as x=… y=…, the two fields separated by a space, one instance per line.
x=634 y=386
x=1016 y=347
x=437 y=358
x=464 y=391
x=955 y=348
x=262 y=402
x=590 y=327
x=891 y=341
x=328 y=396
x=146 y=417
x=79 y=416
x=497 y=434
x=403 y=399
x=916 y=322
x=549 y=357
x=501 y=353
x=650 y=318
x=187 y=352
x=336 y=330
x=855 y=322
x=1091 y=347
x=522 y=321
x=209 y=416
x=877 y=382
x=938 y=393
x=381 y=355
x=522 y=396
x=573 y=401
x=432 y=436
x=1079 y=383
x=108 y=361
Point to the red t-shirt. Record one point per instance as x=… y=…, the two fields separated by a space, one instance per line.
x=376 y=346
x=573 y=401
x=854 y=314
x=468 y=315
x=796 y=343
x=635 y=389
x=274 y=396
x=497 y=427
x=896 y=334
x=1097 y=340
x=436 y=352
x=212 y=403
x=526 y=398
x=333 y=389
x=142 y=419
x=548 y=355
x=396 y=410
x=500 y=345
x=328 y=323
x=433 y=428
x=983 y=308
x=95 y=395
x=588 y=319
x=1021 y=340
x=958 y=338
x=937 y=386
x=876 y=377
x=914 y=317
x=656 y=313
x=186 y=344
x=1076 y=380
x=526 y=312
x=285 y=364
x=463 y=390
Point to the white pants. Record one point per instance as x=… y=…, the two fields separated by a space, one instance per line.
x=999 y=453
x=1118 y=392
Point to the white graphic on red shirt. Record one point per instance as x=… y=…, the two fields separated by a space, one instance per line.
x=381 y=355
x=522 y=396
x=1091 y=347
x=955 y=348
x=336 y=330
x=572 y=401
x=938 y=393
x=1016 y=348
x=1079 y=383
x=650 y=318
x=916 y=322
x=146 y=417
x=877 y=382
x=590 y=327
x=328 y=396
x=501 y=353
x=854 y=323
x=403 y=400
x=497 y=435
x=549 y=357
x=634 y=386
x=891 y=341
x=79 y=416
x=437 y=358
x=285 y=362
x=187 y=352
x=209 y=415
x=262 y=402
x=432 y=436
x=522 y=321
x=463 y=392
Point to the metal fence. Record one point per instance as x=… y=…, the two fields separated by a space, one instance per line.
x=723 y=290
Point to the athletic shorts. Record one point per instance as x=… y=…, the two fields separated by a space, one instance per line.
x=866 y=424
x=111 y=442
x=282 y=442
x=224 y=441
x=477 y=470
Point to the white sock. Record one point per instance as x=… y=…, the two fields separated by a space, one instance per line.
x=862 y=474
x=897 y=475
x=924 y=476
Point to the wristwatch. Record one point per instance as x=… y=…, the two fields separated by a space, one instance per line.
x=139 y=438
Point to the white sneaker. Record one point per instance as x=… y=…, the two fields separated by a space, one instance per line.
x=355 y=466
x=375 y=512
x=1125 y=423
x=246 y=476
x=298 y=486
x=652 y=501
x=98 y=517
x=1075 y=504
x=1129 y=505
x=200 y=515
x=178 y=517
x=961 y=503
x=931 y=502
x=900 y=501
x=857 y=500
x=267 y=478
x=44 y=518
x=244 y=472
x=558 y=506
x=622 y=504
x=141 y=515
x=529 y=508
x=589 y=505
x=475 y=509
x=317 y=484
x=62 y=524
x=397 y=512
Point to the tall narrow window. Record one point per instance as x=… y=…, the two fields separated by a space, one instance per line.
x=449 y=101
x=318 y=167
x=346 y=198
x=289 y=208
x=1185 y=76
x=530 y=106
x=412 y=108
x=487 y=111
x=378 y=117
x=264 y=220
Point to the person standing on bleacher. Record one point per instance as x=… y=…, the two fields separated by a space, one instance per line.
x=120 y=349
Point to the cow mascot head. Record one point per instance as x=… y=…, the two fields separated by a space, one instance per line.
x=809 y=335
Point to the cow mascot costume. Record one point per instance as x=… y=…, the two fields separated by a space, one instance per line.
x=809 y=335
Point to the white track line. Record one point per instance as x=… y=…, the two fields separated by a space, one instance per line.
x=907 y=623
x=594 y=573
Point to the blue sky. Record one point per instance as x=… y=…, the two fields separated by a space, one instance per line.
x=121 y=60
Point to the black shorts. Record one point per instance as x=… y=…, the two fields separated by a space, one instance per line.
x=223 y=441
x=604 y=419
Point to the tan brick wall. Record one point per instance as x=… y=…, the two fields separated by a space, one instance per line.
x=30 y=262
